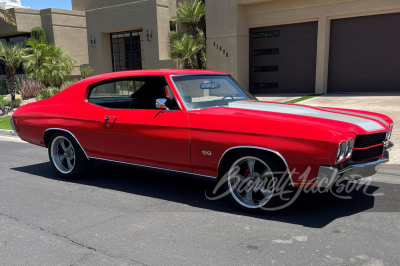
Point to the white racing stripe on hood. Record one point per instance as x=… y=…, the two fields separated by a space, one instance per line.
x=366 y=124
x=355 y=113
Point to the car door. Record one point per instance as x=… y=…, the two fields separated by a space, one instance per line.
x=139 y=135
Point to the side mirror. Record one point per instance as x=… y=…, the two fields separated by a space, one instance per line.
x=161 y=104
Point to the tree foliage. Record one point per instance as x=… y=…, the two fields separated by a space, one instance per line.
x=85 y=71
x=38 y=34
x=12 y=56
x=48 y=63
x=187 y=46
x=190 y=13
x=7 y=17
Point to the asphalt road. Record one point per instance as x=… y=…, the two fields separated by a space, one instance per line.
x=122 y=216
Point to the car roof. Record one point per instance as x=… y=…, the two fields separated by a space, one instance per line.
x=149 y=72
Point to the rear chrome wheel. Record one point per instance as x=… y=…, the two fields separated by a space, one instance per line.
x=66 y=156
x=251 y=182
x=63 y=154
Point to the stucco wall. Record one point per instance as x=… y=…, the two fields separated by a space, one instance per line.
x=146 y=15
x=67 y=29
x=26 y=18
x=83 y=5
x=228 y=23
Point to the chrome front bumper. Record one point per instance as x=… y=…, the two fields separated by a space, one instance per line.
x=328 y=175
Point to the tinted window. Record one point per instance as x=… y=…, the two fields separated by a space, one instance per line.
x=132 y=93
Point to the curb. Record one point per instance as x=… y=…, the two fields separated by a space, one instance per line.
x=9 y=133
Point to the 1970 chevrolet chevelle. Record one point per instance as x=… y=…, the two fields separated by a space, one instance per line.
x=204 y=123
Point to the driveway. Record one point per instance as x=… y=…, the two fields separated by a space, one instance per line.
x=385 y=104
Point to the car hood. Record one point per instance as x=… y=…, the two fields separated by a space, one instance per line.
x=367 y=122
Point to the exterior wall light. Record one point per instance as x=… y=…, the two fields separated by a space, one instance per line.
x=92 y=41
x=149 y=35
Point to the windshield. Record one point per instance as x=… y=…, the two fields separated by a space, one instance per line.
x=205 y=91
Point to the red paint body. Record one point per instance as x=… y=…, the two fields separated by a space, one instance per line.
x=175 y=140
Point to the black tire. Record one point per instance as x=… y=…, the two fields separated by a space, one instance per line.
x=262 y=193
x=66 y=156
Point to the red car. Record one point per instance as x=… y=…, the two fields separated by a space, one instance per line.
x=204 y=123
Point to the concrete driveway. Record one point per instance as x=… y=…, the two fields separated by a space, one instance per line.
x=385 y=104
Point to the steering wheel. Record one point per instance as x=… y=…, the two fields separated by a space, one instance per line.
x=227 y=97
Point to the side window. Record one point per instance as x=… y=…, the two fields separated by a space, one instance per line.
x=122 y=88
x=132 y=93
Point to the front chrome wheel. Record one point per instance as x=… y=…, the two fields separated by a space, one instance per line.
x=251 y=182
x=63 y=154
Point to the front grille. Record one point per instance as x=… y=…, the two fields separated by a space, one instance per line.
x=362 y=155
x=363 y=141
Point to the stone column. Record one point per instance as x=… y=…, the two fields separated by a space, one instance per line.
x=323 y=41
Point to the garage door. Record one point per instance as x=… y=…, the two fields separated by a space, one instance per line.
x=283 y=58
x=365 y=54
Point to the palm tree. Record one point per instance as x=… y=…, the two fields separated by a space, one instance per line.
x=6 y=16
x=85 y=71
x=192 y=14
x=12 y=56
x=184 y=48
x=48 y=63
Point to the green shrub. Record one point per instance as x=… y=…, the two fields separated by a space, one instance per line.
x=30 y=88
x=47 y=93
x=39 y=35
x=67 y=83
x=85 y=71
x=14 y=104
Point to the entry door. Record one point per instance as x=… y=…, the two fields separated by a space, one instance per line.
x=126 y=50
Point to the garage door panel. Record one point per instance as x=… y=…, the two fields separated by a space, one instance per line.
x=380 y=43
x=365 y=54
x=367 y=25
x=357 y=83
x=292 y=32
x=362 y=64
x=287 y=53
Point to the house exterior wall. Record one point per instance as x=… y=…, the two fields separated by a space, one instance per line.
x=146 y=15
x=229 y=21
x=64 y=28
x=26 y=20
x=84 y=5
x=67 y=29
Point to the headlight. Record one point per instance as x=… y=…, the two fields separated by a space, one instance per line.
x=389 y=133
x=349 y=148
x=341 y=151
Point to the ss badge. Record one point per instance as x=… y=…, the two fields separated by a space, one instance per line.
x=206 y=153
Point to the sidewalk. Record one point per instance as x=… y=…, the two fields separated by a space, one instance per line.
x=10 y=133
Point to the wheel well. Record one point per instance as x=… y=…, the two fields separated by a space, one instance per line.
x=233 y=152
x=48 y=134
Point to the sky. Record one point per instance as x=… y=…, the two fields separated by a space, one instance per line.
x=41 y=4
